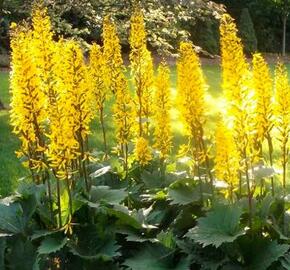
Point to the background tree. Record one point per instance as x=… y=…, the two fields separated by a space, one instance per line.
x=167 y=22
x=247 y=32
x=284 y=9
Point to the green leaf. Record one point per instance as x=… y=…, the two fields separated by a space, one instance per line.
x=22 y=256
x=187 y=191
x=184 y=195
x=221 y=225
x=265 y=252
x=155 y=258
x=91 y=244
x=51 y=244
x=167 y=239
x=124 y=216
x=11 y=218
x=41 y=233
x=105 y=194
x=285 y=261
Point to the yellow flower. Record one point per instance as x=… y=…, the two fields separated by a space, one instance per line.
x=237 y=88
x=142 y=72
x=282 y=114
x=96 y=72
x=142 y=151
x=234 y=65
x=263 y=87
x=70 y=128
x=43 y=48
x=76 y=89
x=191 y=89
x=27 y=111
x=162 y=103
x=123 y=112
x=227 y=157
x=113 y=62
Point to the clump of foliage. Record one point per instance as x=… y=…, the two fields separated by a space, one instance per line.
x=138 y=207
x=247 y=32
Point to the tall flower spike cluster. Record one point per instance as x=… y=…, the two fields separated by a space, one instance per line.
x=142 y=152
x=113 y=62
x=98 y=73
x=78 y=96
x=162 y=104
x=263 y=87
x=27 y=113
x=282 y=113
x=227 y=157
x=191 y=88
x=234 y=65
x=44 y=53
x=123 y=118
x=236 y=77
x=63 y=146
x=142 y=72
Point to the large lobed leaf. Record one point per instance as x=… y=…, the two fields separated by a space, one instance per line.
x=155 y=258
x=221 y=225
x=52 y=244
x=105 y=194
x=11 y=218
x=91 y=244
x=259 y=253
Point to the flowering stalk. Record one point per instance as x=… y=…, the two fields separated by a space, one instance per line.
x=97 y=79
x=45 y=55
x=227 y=158
x=123 y=118
x=162 y=106
x=262 y=83
x=282 y=113
x=142 y=72
x=235 y=74
x=191 y=91
x=27 y=112
x=142 y=151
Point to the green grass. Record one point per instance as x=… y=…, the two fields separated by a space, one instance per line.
x=10 y=167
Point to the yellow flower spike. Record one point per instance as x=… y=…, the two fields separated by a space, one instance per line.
x=191 y=89
x=113 y=62
x=43 y=48
x=237 y=88
x=63 y=148
x=162 y=105
x=263 y=86
x=142 y=152
x=282 y=114
x=96 y=72
x=77 y=91
x=234 y=65
x=227 y=157
x=142 y=72
x=123 y=114
x=27 y=111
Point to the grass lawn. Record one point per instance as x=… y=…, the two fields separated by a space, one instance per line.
x=10 y=167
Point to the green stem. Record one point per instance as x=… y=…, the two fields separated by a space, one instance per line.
x=58 y=202
x=270 y=148
x=102 y=121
